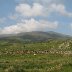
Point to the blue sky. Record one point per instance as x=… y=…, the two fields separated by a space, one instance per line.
x=35 y=15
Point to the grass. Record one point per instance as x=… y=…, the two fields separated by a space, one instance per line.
x=51 y=56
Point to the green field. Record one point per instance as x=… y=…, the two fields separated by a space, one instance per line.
x=49 y=56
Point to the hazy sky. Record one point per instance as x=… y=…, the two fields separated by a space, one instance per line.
x=35 y=15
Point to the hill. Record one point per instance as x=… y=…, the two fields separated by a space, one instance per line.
x=34 y=36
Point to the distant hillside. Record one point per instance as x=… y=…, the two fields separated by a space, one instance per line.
x=35 y=36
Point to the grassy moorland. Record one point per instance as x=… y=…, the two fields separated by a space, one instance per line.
x=49 y=56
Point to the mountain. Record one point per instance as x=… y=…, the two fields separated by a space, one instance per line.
x=35 y=36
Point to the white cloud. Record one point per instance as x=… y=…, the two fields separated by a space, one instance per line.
x=60 y=8
x=27 y=10
x=38 y=9
x=46 y=24
x=29 y=25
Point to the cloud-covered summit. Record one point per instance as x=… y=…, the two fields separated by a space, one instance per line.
x=29 y=25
